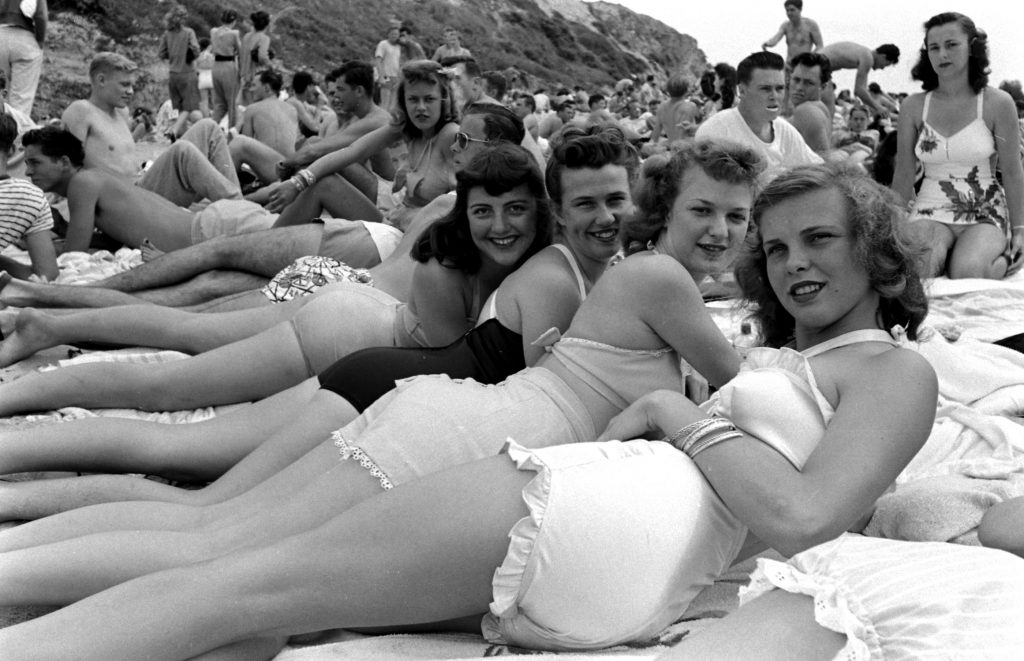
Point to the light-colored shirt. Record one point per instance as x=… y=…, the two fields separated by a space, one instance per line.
x=785 y=151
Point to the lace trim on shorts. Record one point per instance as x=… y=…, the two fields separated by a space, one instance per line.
x=508 y=577
x=835 y=607
x=349 y=453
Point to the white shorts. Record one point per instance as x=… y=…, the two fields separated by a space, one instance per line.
x=619 y=540
x=230 y=217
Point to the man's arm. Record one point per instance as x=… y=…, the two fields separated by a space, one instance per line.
x=246 y=128
x=339 y=140
x=860 y=84
x=39 y=21
x=76 y=120
x=815 y=34
x=162 y=51
x=774 y=38
x=83 y=196
x=43 y=255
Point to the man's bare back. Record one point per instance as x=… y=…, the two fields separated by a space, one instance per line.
x=848 y=55
x=124 y=212
x=106 y=137
x=274 y=123
x=813 y=121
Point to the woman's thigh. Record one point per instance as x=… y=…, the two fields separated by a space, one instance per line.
x=976 y=249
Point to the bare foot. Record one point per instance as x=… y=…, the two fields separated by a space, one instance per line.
x=16 y=292
x=31 y=333
x=7 y=319
x=149 y=251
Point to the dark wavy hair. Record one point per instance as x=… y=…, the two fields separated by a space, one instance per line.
x=727 y=74
x=498 y=169
x=977 y=63
x=425 y=71
x=54 y=142
x=874 y=215
x=594 y=147
x=662 y=178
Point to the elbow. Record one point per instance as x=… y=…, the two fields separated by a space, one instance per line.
x=795 y=524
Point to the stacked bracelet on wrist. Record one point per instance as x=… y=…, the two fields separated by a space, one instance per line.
x=303 y=179
x=701 y=435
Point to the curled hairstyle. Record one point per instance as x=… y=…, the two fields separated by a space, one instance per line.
x=55 y=142
x=662 y=178
x=498 y=169
x=874 y=216
x=425 y=71
x=8 y=133
x=977 y=48
x=592 y=147
x=260 y=20
x=228 y=16
x=727 y=74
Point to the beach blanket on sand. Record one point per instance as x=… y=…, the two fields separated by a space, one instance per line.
x=976 y=436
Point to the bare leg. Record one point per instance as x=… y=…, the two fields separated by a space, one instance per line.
x=264 y=253
x=777 y=625
x=262 y=158
x=273 y=473
x=245 y=300
x=978 y=253
x=139 y=325
x=184 y=175
x=1002 y=526
x=336 y=195
x=420 y=553
x=937 y=241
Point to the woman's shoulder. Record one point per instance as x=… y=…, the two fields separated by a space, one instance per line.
x=543 y=271
x=998 y=100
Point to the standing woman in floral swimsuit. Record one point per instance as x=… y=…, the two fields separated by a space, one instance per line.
x=958 y=129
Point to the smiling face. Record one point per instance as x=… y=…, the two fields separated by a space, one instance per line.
x=423 y=105
x=593 y=205
x=812 y=268
x=805 y=84
x=761 y=98
x=503 y=227
x=948 y=49
x=707 y=223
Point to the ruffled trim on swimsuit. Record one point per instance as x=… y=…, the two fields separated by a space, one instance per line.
x=835 y=607
x=350 y=453
x=508 y=578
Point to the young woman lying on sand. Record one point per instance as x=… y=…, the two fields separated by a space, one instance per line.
x=589 y=175
x=460 y=262
x=827 y=274
x=192 y=332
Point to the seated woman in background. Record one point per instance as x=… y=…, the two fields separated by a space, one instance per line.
x=425 y=552
x=972 y=225
x=589 y=175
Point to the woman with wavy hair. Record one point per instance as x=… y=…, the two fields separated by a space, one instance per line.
x=423 y=116
x=501 y=218
x=958 y=129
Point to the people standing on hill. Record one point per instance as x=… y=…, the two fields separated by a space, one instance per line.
x=387 y=59
x=21 y=50
x=256 y=53
x=451 y=47
x=180 y=48
x=226 y=44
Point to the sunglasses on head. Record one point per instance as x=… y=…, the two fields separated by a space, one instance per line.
x=462 y=140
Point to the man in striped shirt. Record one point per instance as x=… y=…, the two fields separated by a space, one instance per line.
x=24 y=214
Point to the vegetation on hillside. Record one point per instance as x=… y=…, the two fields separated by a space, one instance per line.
x=318 y=34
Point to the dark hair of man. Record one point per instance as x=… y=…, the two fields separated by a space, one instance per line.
x=472 y=66
x=799 y=4
x=500 y=123
x=594 y=98
x=890 y=51
x=496 y=82
x=272 y=78
x=498 y=169
x=55 y=142
x=301 y=81
x=528 y=100
x=8 y=133
x=260 y=20
x=811 y=60
x=759 y=60
x=355 y=73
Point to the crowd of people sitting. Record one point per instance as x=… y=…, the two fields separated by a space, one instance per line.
x=465 y=327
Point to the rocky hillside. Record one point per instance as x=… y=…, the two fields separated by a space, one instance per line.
x=541 y=41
